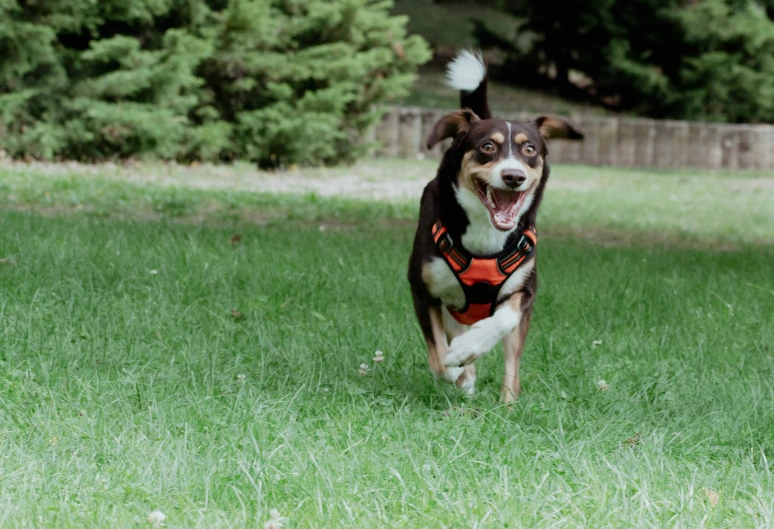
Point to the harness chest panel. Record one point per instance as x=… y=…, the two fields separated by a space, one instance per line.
x=481 y=277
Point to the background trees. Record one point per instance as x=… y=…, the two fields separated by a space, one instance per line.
x=295 y=81
x=273 y=81
x=694 y=59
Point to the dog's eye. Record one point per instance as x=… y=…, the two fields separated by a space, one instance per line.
x=488 y=147
x=529 y=150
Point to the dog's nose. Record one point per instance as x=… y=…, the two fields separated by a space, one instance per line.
x=513 y=177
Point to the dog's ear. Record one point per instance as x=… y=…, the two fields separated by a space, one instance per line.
x=451 y=126
x=551 y=127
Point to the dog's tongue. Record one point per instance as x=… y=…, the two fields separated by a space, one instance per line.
x=506 y=203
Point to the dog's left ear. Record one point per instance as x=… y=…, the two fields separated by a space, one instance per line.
x=551 y=127
x=451 y=126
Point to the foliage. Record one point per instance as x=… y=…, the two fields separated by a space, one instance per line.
x=729 y=72
x=709 y=59
x=274 y=81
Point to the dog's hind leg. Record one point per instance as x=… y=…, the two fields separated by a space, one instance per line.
x=513 y=346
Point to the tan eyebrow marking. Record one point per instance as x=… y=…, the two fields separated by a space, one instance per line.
x=520 y=138
x=498 y=137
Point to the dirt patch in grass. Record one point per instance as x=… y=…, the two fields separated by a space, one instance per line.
x=380 y=180
x=721 y=211
x=217 y=218
x=396 y=180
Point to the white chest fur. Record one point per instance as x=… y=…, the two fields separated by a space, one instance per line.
x=442 y=284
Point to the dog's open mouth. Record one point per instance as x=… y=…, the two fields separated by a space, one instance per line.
x=503 y=206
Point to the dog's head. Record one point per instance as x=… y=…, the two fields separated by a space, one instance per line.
x=500 y=162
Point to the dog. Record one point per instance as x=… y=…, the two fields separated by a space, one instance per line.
x=472 y=270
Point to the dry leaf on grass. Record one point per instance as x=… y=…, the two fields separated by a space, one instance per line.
x=7 y=261
x=235 y=239
x=634 y=440
x=712 y=496
x=237 y=315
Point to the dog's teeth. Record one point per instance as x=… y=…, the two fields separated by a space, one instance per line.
x=490 y=197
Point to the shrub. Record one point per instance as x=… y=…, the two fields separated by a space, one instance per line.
x=708 y=59
x=272 y=81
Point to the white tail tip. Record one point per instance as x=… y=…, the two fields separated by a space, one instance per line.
x=466 y=71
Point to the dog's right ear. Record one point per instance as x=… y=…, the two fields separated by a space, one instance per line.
x=451 y=126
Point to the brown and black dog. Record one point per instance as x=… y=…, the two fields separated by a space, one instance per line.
x=473 y=261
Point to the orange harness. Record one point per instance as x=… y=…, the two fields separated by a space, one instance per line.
x=481 y=277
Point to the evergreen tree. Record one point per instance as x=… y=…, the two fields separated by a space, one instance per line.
x=298 y=78
x=274 y=81
x=728 y=71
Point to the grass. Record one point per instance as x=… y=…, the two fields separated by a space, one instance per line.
x=120 y=359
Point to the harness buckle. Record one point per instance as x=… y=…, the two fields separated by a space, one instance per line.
x=446 y=243
x=523 y=245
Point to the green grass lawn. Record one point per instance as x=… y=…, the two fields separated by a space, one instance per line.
x=128 y=384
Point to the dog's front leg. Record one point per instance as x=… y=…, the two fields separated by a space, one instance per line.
x=431 y=323
x=437 y=350
x=484 y=335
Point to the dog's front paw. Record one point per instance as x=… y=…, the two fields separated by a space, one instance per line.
x=465 y=349
x=450 y=374
x=467 y=381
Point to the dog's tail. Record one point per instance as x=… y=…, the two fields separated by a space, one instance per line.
x=467 y=73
